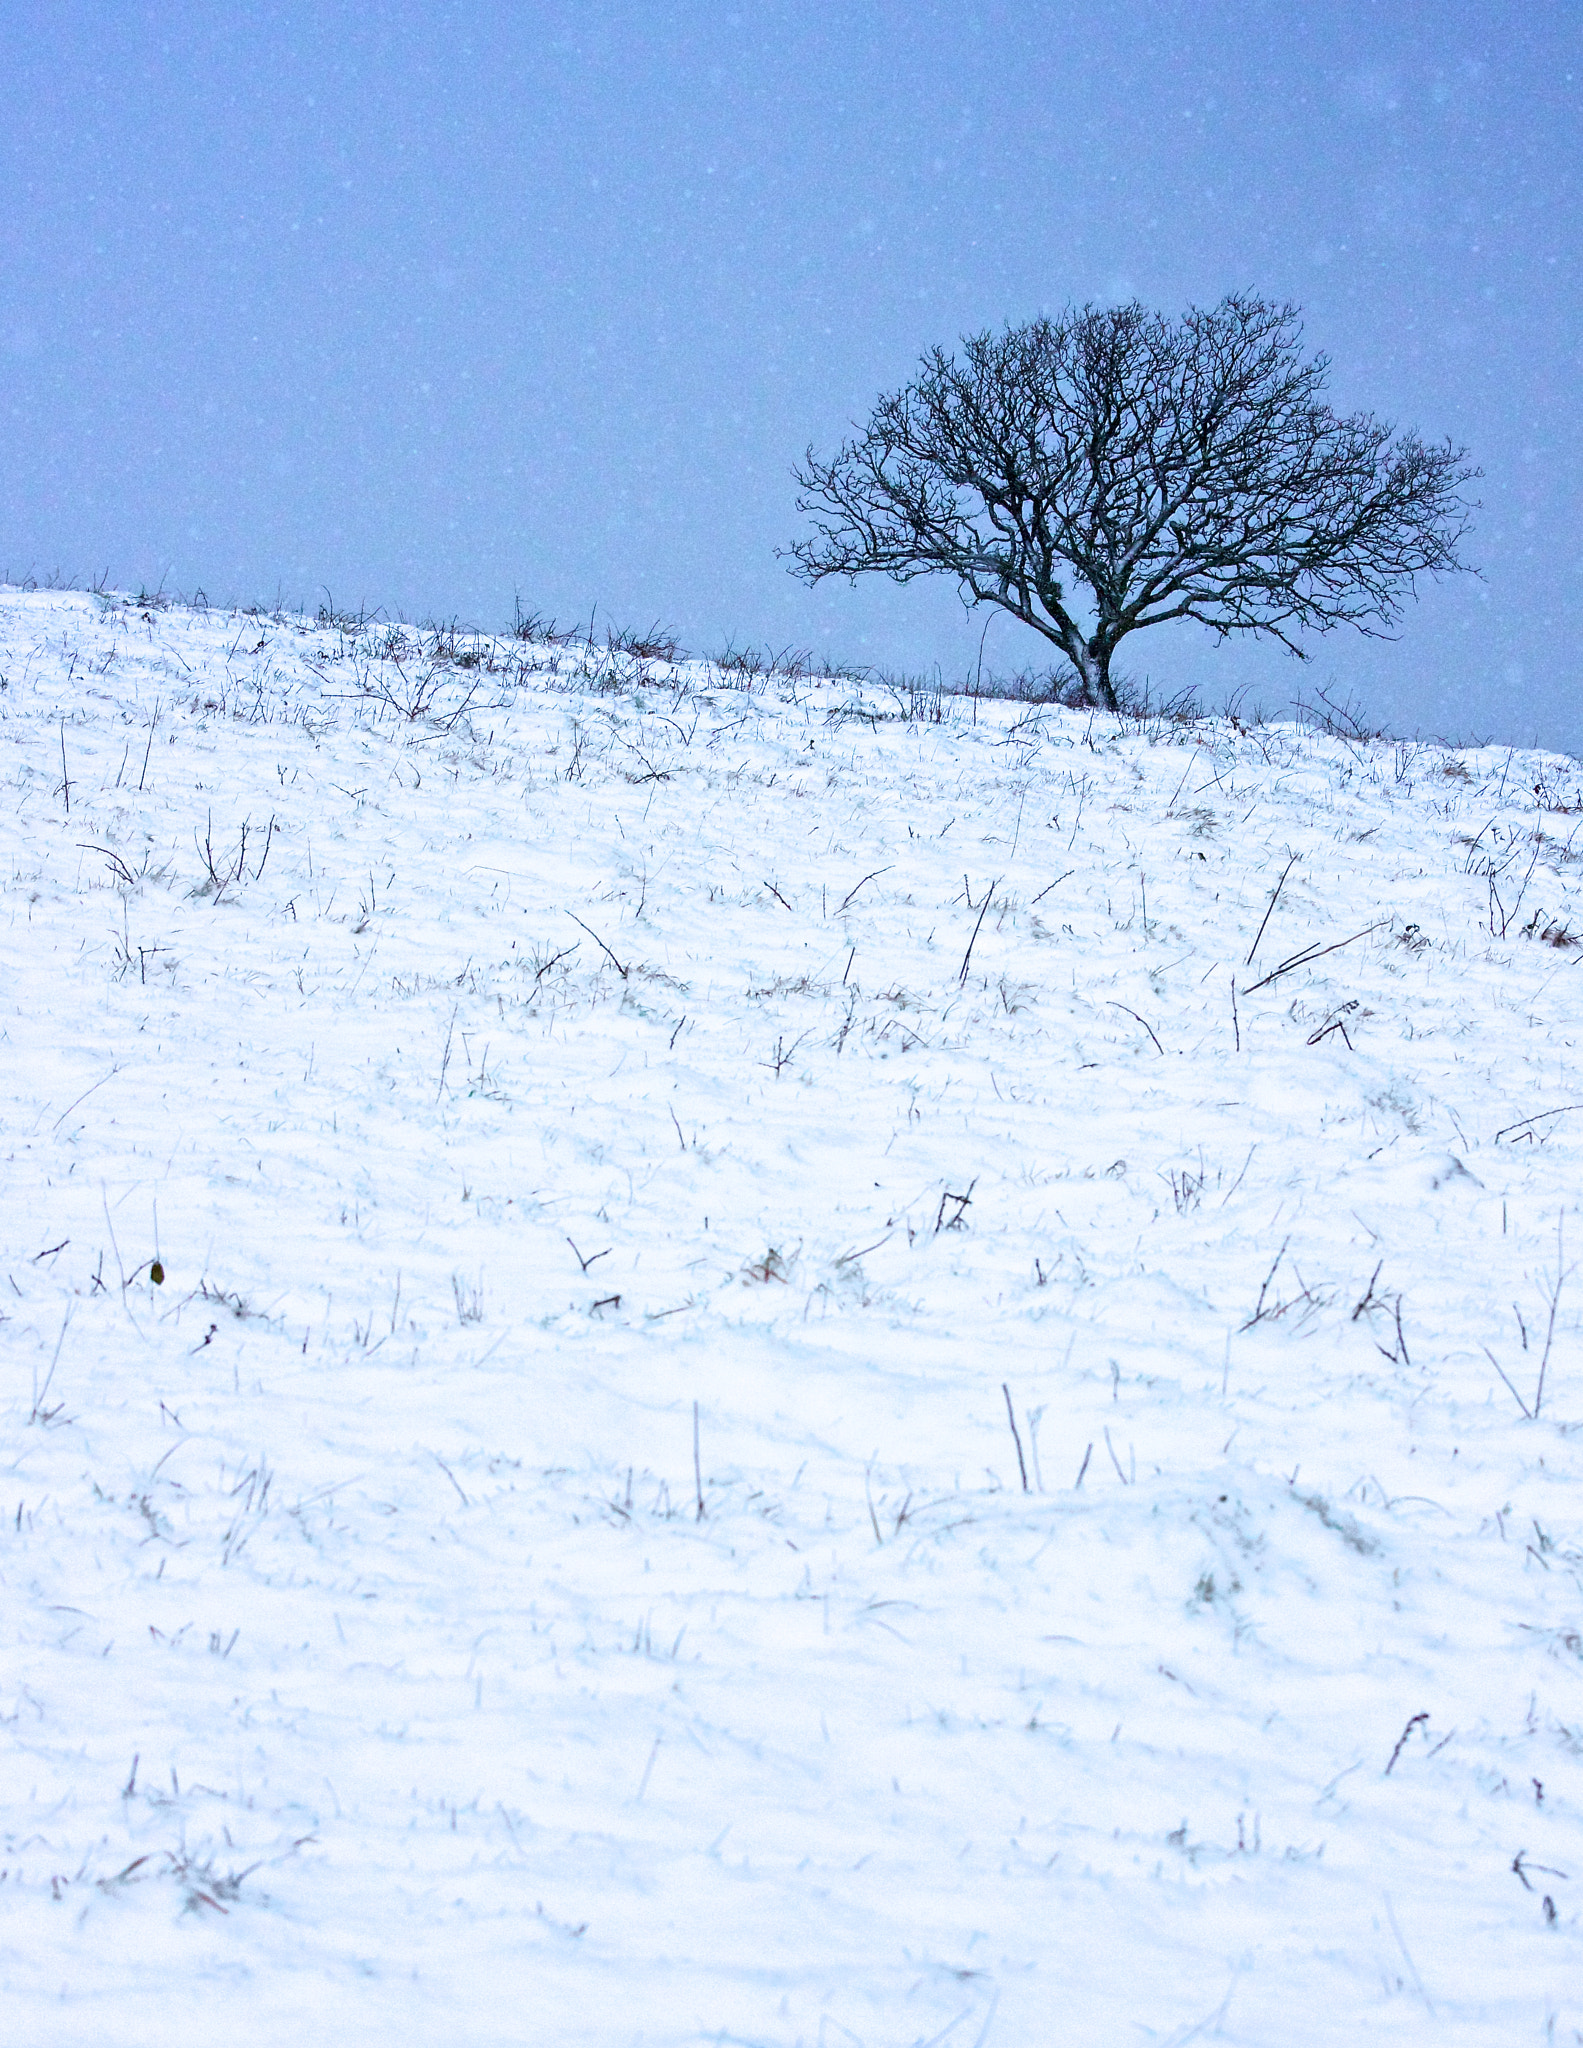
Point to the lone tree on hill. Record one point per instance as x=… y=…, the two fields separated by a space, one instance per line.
x=1112 y=469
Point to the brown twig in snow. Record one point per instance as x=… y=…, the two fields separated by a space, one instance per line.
x=1417 y=1721
x=1011 y=1417
x=1539 y=1119
x=599 y=942
x=983 y=910
x=1160 y=1049
x=1312 y=953
x=1269 y=909
x=847 y=898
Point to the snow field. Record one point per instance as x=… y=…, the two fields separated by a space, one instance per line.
x=580 y=1049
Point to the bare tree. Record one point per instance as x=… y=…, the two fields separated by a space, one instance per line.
x=1112 y=469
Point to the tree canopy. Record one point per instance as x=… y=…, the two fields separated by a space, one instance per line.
x=1113 y=469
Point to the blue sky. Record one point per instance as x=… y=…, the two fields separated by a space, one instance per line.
x=426 y=307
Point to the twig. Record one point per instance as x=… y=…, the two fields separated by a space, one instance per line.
x=1407 y=1953
x=781 y=1057
x=1417 y=1721
x=1016 y=1439
x=1258 y=1313
x=40 y=1412
x=1192 y=757
x=962 y=1203
x=599 y=942
x=1226 y=1197
x=258 y=872
x=1312 y=953
x=466 y=1503
x=983 y=910
x=1269 y=909
x=1550 y=1331
x=1370 y=1299
x=847 y=898
x=1077 y=1483
x=153 y=724
x=1539 y=1119
x=120 y=1264
x=698 y=1472
x=1160 y=1049
x=1522 y=1404
x=445 y=1057
x=66 y=1112
x=593 y=1257
x=868 y=1495
x=1109 y=1446
x=118 y=866
x=554 y=961
x=1553 y=1296
x=847 y=1258
x=1521 y=893
x=1521 y=1866
x=65 y=779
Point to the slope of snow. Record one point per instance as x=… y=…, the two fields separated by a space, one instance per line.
x=551 y=1561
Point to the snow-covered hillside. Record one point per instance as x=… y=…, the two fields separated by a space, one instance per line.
x=624 y=1145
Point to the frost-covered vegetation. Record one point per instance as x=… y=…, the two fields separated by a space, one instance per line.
x=828 y=1364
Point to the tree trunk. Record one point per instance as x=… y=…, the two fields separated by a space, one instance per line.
x=1102 y=682
x=1090 y=658
x=1092 y=662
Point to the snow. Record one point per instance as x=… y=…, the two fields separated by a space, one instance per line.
x=595 y=1054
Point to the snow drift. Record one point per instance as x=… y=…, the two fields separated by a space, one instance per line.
x=829 y=1365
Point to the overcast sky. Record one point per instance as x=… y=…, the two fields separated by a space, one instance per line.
x=425 y=307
